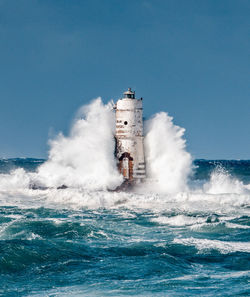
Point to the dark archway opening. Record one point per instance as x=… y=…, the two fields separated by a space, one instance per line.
x=126 y=166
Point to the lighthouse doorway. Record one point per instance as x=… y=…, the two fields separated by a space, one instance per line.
x=126 y=166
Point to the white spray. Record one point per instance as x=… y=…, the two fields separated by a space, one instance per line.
x=84 y=161
x=221 y=182
x=168 y=162
x=86 y=157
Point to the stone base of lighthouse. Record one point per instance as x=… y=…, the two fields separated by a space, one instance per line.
x=129 y=138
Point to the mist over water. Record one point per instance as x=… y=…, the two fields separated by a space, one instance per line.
x=184 y=232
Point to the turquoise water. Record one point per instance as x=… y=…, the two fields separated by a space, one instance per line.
x=77 y=242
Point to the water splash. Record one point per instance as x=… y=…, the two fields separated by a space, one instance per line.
x=86 y=157
x=168 y=162
x=221 y=182
x=84 y=161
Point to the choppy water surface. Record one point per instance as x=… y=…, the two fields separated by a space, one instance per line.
x=82 y=242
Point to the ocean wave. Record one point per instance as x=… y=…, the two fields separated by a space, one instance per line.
x=223 y=247
x=179 y=220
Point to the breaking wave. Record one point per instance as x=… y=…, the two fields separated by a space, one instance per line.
x=64 y=233
x=84 y=162
x=221 y=182
x=85 y=158
x=223 y=247
x=168 y=162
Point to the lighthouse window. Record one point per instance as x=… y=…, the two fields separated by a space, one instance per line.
x=125 y=123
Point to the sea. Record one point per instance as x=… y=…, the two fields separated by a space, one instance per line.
x=66 y=231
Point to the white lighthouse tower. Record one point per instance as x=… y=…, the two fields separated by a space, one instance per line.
x=129 y=137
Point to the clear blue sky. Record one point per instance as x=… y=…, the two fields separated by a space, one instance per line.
x=187 y=57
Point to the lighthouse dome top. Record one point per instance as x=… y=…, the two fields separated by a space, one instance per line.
x=129 y=94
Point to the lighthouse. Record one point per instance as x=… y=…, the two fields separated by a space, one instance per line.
x=129 y=137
